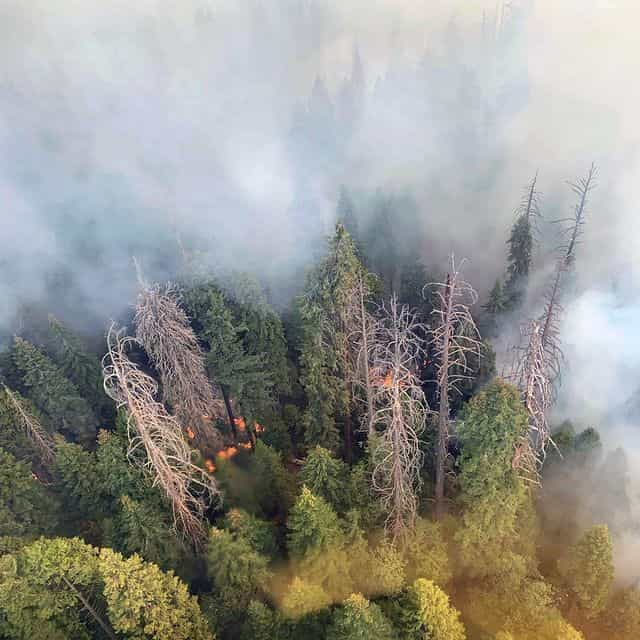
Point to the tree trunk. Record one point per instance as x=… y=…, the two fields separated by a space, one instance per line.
x=347 y=432
x=227 y=404
x=441 y=452
x=92 y=612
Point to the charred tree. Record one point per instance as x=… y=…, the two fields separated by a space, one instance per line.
x=454 y=336
x=401 y=413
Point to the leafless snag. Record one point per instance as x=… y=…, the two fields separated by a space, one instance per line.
x=31 y=427
x=362 y=337
x=156 y=442
x=454 y=336
x=402 y=413
x=163 y=329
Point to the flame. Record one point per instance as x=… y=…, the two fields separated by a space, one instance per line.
x=191 y=433
x=240 y=423
x=258 y=427
x=210 y=465
x=387 y=380
x=244 y=445
x=227 y=453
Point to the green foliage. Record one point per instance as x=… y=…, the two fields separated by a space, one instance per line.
x=313 y=527
x=519 y=259
x=237 y=570
x=324 y=358
x=260 y=534
x=496 y=304
x=386 y=574
x=303 y=598
x=425 y=553
x=622 y=618
x=272 y=484
x=53 y=393
x=26 y=509
x=80 y=366
x=359 y=619
x=424 y=612
x=587 y=569
x=325 y=476
x=262 y=623
x=146 y=604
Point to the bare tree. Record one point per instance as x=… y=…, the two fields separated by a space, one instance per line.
x=163 y=329
x=361 y=333
x=156 y=441
x=401 y=412
x=31 y=427
x=454 y=336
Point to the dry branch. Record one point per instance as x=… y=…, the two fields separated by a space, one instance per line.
x=401 y=413
x=454 y=337
x=156 y=442
x=163 y=329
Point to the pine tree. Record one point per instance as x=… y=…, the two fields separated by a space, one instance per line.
x=359 y=619
x=587 y=569
x=260 y=534
x=496 y=304
x=345 y=214
x=425 y=612
x=325 y=476
x=324 y=346
x=54 y=394
x=80 y=366
x=425 y=553
x=303 y=598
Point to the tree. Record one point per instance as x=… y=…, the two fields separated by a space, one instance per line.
x=359 y=619
x=21 y=418
x=587 y=569
x=325 y=476
x=147 y=604
x=53 y=394
x=425 y=613
x=303 y=598
x=162 y=328
x=156 y=441
x=262 y=623
x=260 y=534
x=237 y=570
x=345 y=213
x=425 y=553
x=454 y=336
x=401 y=413
x=495 y=306
x=26 y=509
x=521 y=244
x=79 y=365
x=325 y=356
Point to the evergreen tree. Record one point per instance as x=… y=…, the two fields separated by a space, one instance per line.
x=303 y=598
x=359 y=619
x=425 y=553
x=54 y=394
x=237 y=570
x=273 y=485
x=260 y=534
x=345 y=213
x=324 y=347
x=262 y=623
x=325 y=476
x=587 y=569
x=494 y=307
x=26 y=509
x=425 y=612
x=80 y=366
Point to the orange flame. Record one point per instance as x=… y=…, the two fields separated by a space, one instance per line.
x=191 y=433
x=240 y=423
x=387 y=380
x=227 y=453
x=244 y=445
x=210 y=465
x=258 y=427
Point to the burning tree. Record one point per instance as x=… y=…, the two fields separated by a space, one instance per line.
x=163 y=329
x=401 y=412
x=454 y=336
x=156 y=442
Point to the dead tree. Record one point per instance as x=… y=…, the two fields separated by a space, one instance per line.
x=156 y=441
x=536 y=370
x=30 y=426
x=401 y=412
x=362 y=337
x=454 y=336
x=163 y=329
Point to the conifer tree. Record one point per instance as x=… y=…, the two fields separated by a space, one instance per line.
x=345 y=213
x=53 y=393
x=326 y=365
x=587 y=568
x=325 y=476
x=359 y=619
x=496 y=304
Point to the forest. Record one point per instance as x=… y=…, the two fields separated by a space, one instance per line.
x=361 y=418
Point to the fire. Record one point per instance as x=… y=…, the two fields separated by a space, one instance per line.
x=387 y=380
x=258 y=427
x=240 y=423
x=210 y=465
x=191 y=433
x=244 y=445
x=227 y=453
